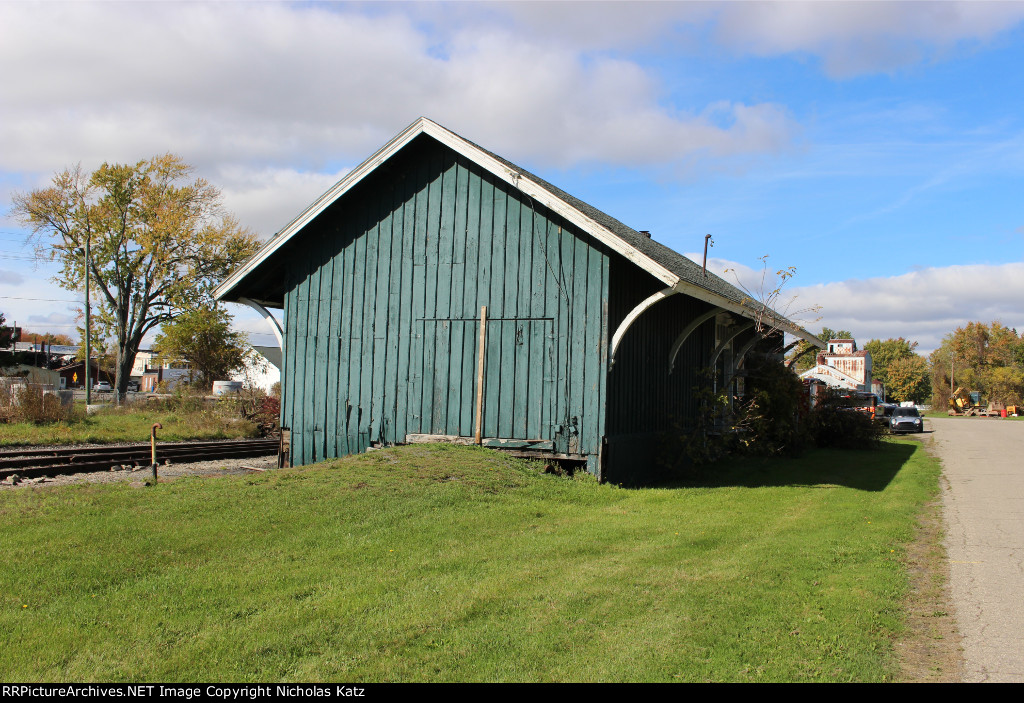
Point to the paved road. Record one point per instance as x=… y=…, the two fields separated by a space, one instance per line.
x=983 y=502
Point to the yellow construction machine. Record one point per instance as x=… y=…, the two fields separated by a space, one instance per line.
x=970 y=404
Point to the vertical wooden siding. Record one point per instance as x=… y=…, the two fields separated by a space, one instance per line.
x=383 y=308
x=644 y=399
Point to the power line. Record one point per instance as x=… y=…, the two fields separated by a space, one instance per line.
x=45 y=300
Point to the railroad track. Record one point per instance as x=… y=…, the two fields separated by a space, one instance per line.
x=29 y=462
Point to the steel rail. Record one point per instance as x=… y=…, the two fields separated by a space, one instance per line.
x=28 y=462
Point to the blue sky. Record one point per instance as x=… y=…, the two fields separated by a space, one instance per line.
x=877 y=147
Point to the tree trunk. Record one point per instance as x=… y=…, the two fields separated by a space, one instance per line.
x=123 y=372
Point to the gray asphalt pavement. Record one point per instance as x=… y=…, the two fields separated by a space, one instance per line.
x=983 y=503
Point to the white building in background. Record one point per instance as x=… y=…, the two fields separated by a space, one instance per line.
x=150 y=373
x=840 y=365
x=264 y=371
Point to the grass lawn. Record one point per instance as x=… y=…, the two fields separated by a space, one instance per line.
x=438 y=563
x=130 y=425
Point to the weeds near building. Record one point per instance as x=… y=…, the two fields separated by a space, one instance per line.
x=830 y=424
x=30 y=403
x=771 y=420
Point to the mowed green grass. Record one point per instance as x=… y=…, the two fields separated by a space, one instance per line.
x=435 y=563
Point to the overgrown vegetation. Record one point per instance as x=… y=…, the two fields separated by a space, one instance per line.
x=771 y=420
x=832 y=424
x=768 y=421
x=28 y=403
x=445 y=563
x=184 y=415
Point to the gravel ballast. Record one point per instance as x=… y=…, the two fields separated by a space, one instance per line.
x=168 y=472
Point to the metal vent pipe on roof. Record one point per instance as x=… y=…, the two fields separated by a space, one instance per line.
x=707 y=240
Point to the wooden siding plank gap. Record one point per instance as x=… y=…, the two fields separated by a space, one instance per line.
x=334 y=334
x=393 y=324
x=357 y=355
x=323 y=344
x=309 y=377
x=347 y=304
x=381 y=334
x=403 y=377
x=579 y=350
x=370 y=361
x=496 y=306
x=591 y=420
x=417 y=352
x=513 y=240
x=469 y=298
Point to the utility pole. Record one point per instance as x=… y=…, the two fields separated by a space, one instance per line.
x=88 y=381
x=952 y=357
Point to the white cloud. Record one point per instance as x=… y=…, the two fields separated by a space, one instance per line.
x=309 y=86
x=851 y=37
x=53 y=318
x=267 y=199
x=854 y=38
x=626 y=24
x=312 y=86
x=10 y=278
x=923 y=306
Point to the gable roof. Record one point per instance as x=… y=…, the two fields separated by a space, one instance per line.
x=671 y=268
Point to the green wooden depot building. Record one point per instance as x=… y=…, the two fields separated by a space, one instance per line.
x=440 y=293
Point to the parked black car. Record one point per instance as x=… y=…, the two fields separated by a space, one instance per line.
x=883 y=412
x=906 y=420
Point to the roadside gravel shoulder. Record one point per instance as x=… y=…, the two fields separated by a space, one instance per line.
x=931 y=650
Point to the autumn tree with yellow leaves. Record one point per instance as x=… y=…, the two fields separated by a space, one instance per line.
x=159 y=241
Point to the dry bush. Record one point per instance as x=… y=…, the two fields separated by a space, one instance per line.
x=253 y=404
x=30 y=403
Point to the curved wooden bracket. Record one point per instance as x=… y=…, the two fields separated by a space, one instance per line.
x=632 y=316
x=745 y=350
x=687 y=331
x=269 y=317
x=725 y=342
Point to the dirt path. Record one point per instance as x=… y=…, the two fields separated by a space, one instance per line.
x=983 y=506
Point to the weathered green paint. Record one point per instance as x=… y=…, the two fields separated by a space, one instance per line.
x=382 y=319
x=383 y=304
